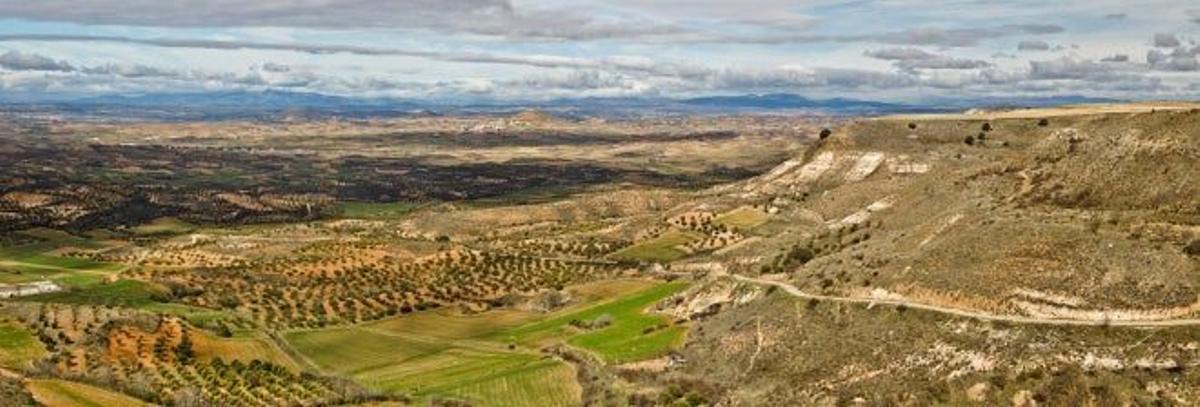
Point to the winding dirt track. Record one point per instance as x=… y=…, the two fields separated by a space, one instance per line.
x=1016 y=319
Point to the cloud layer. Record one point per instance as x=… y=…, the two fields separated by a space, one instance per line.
x=518 y=49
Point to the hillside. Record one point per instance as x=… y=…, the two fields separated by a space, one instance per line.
x=990 y=257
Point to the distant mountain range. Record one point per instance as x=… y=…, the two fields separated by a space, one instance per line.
x=274 y=103
x=779 y=101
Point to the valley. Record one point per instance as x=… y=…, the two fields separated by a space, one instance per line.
x=997 y=257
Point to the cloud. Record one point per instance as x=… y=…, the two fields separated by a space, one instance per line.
x=1033 y=45
x=1116 y=58
x=274 y=67
x=1180 y=59
x=1194 y=15
x=1165 y=40
x=1116 y=16
x=912 y=58
x=20 y=61
x=1078 y=69
x=625 y=64
x=482 y=17
x=931 y=36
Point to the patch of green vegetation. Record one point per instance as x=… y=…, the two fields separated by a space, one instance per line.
x=375 y=210
x=16 y=274
x=33 y=257
x=743 y=218
x=661 y=249
x=53 y=239
x=445 y=323
x=486 y=374
x=20 y=264
x=123 y=293
x=164 y=226
x=61 y=393
x=487 y=379
x=18 y=346
x=356 y=351
x=630 y=334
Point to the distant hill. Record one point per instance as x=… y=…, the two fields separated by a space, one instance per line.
x=790 y=101
x=270 y=99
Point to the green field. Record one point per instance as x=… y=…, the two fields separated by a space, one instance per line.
x=487 y=374
x=661 y=249
x=164 y=226
x=443 y=323
x=61 y=393
x=20 y=264
x=490 y=359
x=18 y=346
x=624 y=340
x=375 y=210
x=124 y=293
x=742 y=218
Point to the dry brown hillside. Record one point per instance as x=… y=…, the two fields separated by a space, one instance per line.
x=1034 y=213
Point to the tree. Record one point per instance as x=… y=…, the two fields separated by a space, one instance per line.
x=184 y=351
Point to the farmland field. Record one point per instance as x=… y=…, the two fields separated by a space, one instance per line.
x=374 y=210
x=61 y=393
x=245 y=349
x=491 y=358
x=18 y=346
x=625 y=339
x=126 y=293
x=662 y=249
x=743 y=218
x=164 y=226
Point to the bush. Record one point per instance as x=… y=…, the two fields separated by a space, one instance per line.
x=970 y=140
x=825 y=133
x=987 y=127
x=1193 y=248
x=912 y=126
x=1044 y=122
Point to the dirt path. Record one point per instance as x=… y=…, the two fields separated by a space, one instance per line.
x=1016 y=319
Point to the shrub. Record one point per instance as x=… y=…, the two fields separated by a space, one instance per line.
x=1044 y=122
x=987 y=127
x=1193 y=248
x=825 y=133
x=912 y=126
x=970 y=140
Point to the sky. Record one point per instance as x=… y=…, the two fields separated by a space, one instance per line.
x=519 y=50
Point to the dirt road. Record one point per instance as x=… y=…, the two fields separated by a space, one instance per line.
x=1016 y=319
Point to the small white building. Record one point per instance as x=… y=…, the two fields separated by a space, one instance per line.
x=24 y=289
